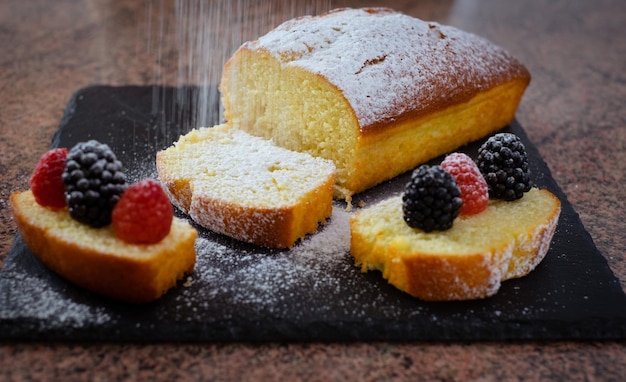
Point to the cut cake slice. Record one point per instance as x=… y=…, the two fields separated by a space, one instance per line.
x=247 y=188
x=468 y=261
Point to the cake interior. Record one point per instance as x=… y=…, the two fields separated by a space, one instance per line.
x=301 y=111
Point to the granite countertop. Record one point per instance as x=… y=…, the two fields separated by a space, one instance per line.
x=573 y=112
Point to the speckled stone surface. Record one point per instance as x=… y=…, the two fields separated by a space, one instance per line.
x=573 y=111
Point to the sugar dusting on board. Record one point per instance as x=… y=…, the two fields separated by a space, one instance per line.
x=48 y=301
x=279 y=283
x=265 y=279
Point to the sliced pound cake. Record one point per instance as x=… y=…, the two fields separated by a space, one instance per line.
x=247 y=188
x=467 y=261
x=97 y=260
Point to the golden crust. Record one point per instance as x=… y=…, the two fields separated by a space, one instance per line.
x=269 y=227
x=467 y=262
x=93 y=258
x=384 y=153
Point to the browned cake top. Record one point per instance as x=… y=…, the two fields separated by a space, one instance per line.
x=388 y=65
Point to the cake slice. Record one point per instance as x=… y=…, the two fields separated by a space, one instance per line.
x=468 y=261
x=247 y=188
x=97 y=260
x=373 y=90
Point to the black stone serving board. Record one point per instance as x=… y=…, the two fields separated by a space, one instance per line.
x=312 y=293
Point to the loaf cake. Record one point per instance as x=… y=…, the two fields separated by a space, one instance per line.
x=373 y=90
x=246 y=187
x=467 y=261
x=97 y=260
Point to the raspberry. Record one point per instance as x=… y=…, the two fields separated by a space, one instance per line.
x=503 y=161
x=431 y=200
x=474 y=190
x=144 y=214
x=46 y=183
x=94 y=181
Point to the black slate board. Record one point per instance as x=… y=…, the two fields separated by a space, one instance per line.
x=245 y=293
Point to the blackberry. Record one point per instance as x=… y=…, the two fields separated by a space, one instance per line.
x=431 y=200
x=94 y=181
x=503 y=162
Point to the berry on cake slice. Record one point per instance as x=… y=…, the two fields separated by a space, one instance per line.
x=144 y=214
x=431 y=200
x=46 y=183
x=143 y=256
x=94 y=181
x=474 y=190
x=503 y=161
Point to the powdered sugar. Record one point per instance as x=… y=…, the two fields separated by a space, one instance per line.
x=234 y=166
x=387 y=63
x=46 y=301
x=245 y=186
x=315 y=279
x=265 y=281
